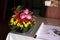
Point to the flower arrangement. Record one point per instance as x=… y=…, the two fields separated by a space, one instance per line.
x=22 y=20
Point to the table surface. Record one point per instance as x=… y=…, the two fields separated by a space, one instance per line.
x=30 y=35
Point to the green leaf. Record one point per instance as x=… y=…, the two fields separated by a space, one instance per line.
x=32 y=26
x=13 y=8
x=19 y=7
x=25 y=29
x=13 y=27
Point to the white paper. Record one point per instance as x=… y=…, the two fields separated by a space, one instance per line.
x=47 y=32
x=47 y=3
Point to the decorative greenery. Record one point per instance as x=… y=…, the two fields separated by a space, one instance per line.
x=22 y=20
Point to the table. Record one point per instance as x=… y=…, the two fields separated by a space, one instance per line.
x=12 y=36
x=30 y=35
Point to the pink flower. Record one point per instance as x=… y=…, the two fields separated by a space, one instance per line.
x=26 y=11
x=28 y=16
x=22 y=15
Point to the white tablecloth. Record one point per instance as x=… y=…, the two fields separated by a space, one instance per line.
x=13 y=36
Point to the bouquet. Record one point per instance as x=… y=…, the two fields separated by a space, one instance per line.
x=22 y=20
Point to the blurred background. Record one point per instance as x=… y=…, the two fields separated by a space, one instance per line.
x=37 y=6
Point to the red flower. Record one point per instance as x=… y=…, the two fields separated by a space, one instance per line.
x=17 y=17
x=17 y=12
x=20 y=21
x=25 y=19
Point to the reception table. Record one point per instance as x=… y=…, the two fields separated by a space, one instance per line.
x=30 y=35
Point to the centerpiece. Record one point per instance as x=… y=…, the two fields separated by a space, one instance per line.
x=22 y=20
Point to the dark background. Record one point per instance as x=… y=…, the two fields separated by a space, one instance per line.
x=31 y=4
